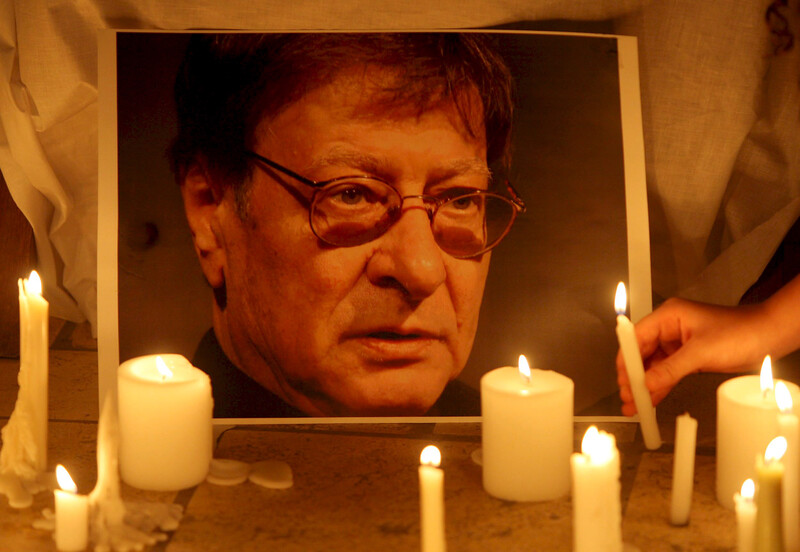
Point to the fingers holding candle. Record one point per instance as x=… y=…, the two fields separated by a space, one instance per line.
x=683 y=337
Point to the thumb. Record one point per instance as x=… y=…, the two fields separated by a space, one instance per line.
x=663 y=374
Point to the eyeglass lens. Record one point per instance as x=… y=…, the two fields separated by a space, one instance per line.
x=355 y=212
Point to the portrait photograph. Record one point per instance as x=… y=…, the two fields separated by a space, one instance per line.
x=348 y=226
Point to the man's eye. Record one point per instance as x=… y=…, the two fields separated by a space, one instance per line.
x=350 y=196
x=463 y=202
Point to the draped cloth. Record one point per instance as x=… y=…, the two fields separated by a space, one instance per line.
x=720 y=119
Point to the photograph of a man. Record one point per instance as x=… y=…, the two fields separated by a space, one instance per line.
x=344 y=192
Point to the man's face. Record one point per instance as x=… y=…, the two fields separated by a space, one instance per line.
x=374 y=329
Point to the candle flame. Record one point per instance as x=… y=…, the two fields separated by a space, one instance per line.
x=775 y=449
x=621 y=299
x=33 y=284
x=524 y=368
x=64 y=479
x=430 y=456
x=766 y=375
x=748 y=489
x=598 y=445
x=783 y=397
x=163 y=369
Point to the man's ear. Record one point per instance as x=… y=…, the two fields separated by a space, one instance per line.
x=201 y=200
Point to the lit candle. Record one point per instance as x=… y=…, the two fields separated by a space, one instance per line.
x=683 y=469
x=72 y=514
x=769 y=522
x=431 y=500
x=747 y=418
x=596 y=507
x=635 y=370
x=788 y=428
x=165 y=410
x=745 y=517
x=33 y=372
x=527 y=431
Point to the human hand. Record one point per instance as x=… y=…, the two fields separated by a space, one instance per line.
x=682 y=337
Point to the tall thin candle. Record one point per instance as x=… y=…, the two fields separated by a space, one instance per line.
x=769 y=518
x=72 y=514
x=788 y=428
x=683 y=469
x=33 y=316
x=23 y=456
x=596 y=507
x=745 y=517
x=635 y=369
x=431 y=500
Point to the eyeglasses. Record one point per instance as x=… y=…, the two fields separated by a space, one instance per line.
x=352 y=210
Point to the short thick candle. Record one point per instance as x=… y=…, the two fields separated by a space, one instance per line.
x=165 y=423
x=747 y=419
x=527 y=434
x=745 y=517
x=788 y=428
x=72 y=514
x=626 y=335
x=769 y=519
x=596 y=505
x=683 y=469
x=431 y=501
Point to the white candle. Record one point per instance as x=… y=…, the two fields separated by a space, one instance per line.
x=769 y=522
x=72 y=514
x=34 y=341
x=431 y=500
x=635 y=370
x=745 y=517
x=165 y=411
x=788 y=428
x=747 y=418
x=596 y=507
x=683 y=469
x=527 y=431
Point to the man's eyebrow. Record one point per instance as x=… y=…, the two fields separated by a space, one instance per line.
x=459 y=167
x=351 y=158
x=372 y=164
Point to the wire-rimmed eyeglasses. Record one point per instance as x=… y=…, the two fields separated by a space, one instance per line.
x=356 y=209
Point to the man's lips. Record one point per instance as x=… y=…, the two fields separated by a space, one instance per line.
x=390 y=335
x=395 y=346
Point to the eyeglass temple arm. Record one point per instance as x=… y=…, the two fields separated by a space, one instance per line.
x=284 y=170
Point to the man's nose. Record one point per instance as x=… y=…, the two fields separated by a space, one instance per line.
x=408 y=257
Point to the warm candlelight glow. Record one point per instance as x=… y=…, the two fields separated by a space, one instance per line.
x=775 y=449
x=621 y=299
x=33 y=284
x=524 y=368
x=163 y=369
x=430 y=456
x=64 y=479
x=597 y=445
x=783 y=397
x=748 y=489
x=766 y=375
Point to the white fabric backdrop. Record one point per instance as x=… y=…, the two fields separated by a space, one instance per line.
x=722 y=128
